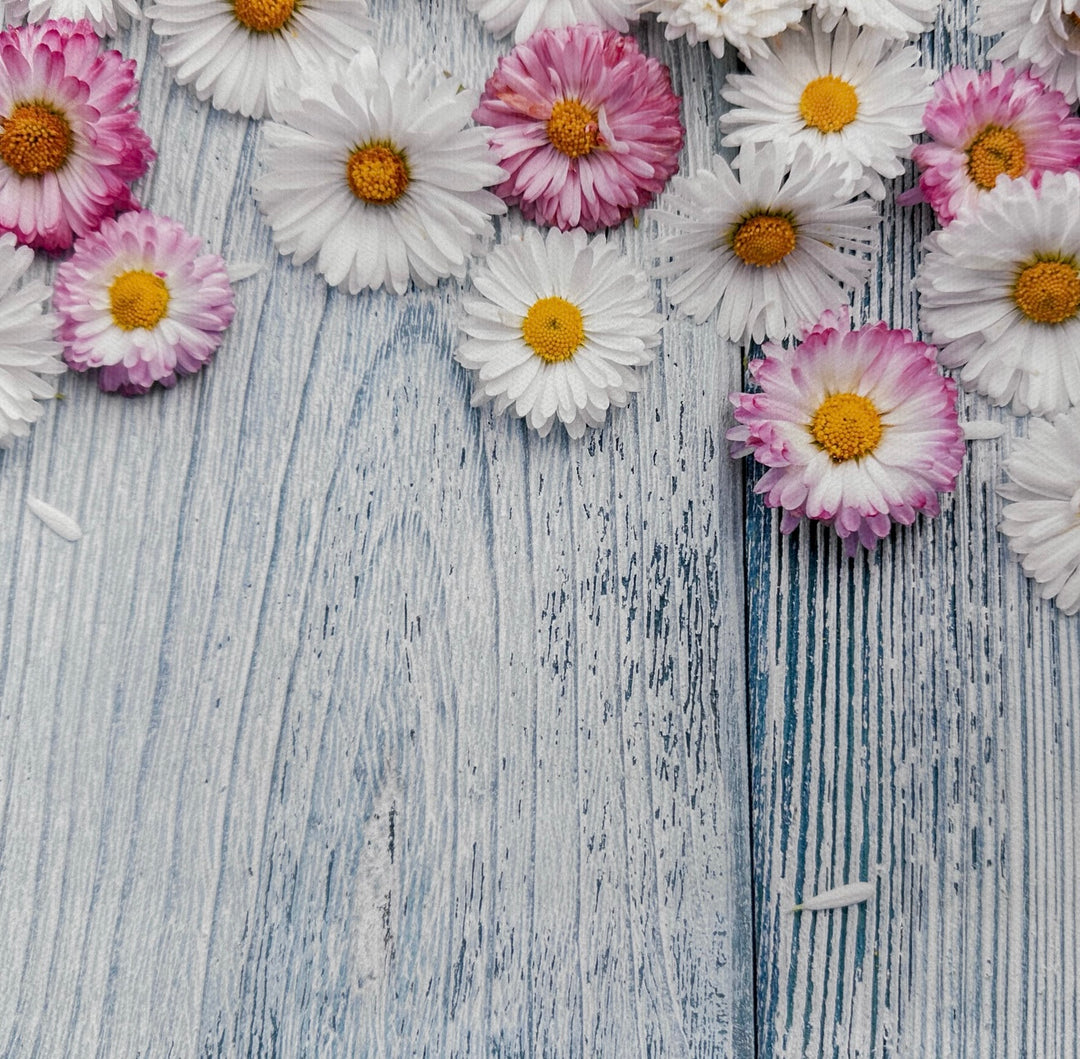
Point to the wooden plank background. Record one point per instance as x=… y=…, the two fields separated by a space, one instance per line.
x=362 y=723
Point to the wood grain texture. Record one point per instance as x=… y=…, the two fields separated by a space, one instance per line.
x=359 y=722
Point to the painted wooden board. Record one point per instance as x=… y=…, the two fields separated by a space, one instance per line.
x=358 y=722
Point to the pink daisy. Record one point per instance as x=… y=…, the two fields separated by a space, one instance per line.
x=586 y=126
x=858 y=429
x=998 y=122
x=139 y=300
x=70 y=142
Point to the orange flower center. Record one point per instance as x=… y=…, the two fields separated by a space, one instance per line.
x=846 y=426
x=828 y=104
x=138 y=299
x=553 y=328
x=263 y=16
x=993 y=152
x=1048 y=292
x=377 y=174
x=764 y=239
x=572 y=128
x=35 y=139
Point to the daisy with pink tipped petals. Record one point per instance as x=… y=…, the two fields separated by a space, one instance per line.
x=141 y=301
x=525 y=17
x=70 y=142
x=858 y=429
x=987 y=125
x=586 y=126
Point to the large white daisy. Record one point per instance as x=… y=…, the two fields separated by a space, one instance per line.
x=1040 y=35
x=744 y=24
x=851 y=96
x=766 y=249
x=557 y=329
x=377 y=177
x=248 y=55
x=28 y=350
x=1042 y=518
x=104 y=15
x=896 y=18
x=1000 y=294
x=525 y=17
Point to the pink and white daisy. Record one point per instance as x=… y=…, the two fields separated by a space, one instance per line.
x=104 y=15
x=70 y=142
x=895 y=18
x=525 y=17
x=744 y=24
x=858 y=429
x=141 y=301
x=586 y=126
x=991 y=124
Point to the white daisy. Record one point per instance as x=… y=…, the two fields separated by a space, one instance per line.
x=895 y=18
x=1000 y=294
x=104 y=15
x=525 y=17
x=1038 y=35
x=767 y=249
x=378 y=177
x=744 y=24
x=27 y=348
x=557 y=328
x=1042 y=518
x=851 y=96
x=246 y=55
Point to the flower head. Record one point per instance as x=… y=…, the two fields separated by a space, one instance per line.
x=999 y=292
x=251 y=56
x=997 y=123
x=858 y=429
x=139 y=300
x=744 y=24
x=767 y=248
x=525 y=17
x=389 y=184
x=28 y=350
x=1042 y=518
x=850 y=96
x=586 y=126
x=557 y=329
x=895 y=18
x=70 y=142
x=104 y=15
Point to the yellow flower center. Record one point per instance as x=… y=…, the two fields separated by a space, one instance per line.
x=138 y=299
x=263 y=16
x=1048 y=292
x=993 y=152
x=553 y=328
x=764 y=239
x=377 y=174
x=35 y=139
x=846 y=426
x=828 y=103
x=572 y=128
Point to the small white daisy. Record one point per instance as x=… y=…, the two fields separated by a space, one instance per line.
x=1042 y=36
x=895 y=18
x=28 y=350
x=525 y=17
x=851 y=96
x=248 y=55
x=1042 y=518
x=379 y=178
x=999 y=293
x=104 y=15
x=767 y=249
x=744 y=24
x=557 y=329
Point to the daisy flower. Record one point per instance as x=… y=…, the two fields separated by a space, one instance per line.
x=895 y=18
x=986 y=125
x=104 y=15
x=767 y=249
x=140 y=300
x=557 y=328
x=1042 y=518
x=70 y=142
x=744 y=24
x=858 y=429
x=248 y=56
x=525 y=17
x=378 y=177
x=851 y=96
x=586 y=126
x=28 y=350
x=999 y=292
x=1040 y=35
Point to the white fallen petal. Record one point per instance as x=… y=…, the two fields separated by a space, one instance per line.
x=848 y=894
x=241 y=270
x=982 y=430
x=61 y=524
